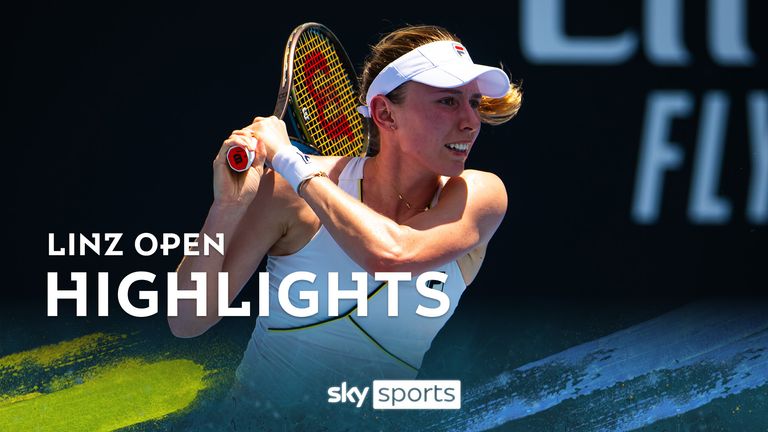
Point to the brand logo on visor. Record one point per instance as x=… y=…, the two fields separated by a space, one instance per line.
x=460 y=50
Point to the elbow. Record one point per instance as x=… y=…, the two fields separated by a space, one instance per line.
x=393 y=250
x=376 y=265
x=389 y=259
x=185 y=329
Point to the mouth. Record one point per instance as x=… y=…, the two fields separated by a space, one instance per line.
x=460 y=148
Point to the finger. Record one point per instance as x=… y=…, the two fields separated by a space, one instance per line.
x=256 y=124
x=252 y=128
x=245 y=141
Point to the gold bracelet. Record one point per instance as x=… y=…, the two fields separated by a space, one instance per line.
x=306 y=180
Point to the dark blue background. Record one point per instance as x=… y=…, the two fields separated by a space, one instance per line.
x=114 y=112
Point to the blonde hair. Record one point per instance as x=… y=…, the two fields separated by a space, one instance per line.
x=493 y=111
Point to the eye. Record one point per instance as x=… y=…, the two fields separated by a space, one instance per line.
x=450 y=101
x=474 y=103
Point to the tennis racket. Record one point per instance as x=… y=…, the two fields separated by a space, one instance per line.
x=318 y=92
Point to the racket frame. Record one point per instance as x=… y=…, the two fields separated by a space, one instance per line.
x=286 y=95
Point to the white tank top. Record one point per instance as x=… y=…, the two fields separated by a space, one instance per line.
x=325 y=349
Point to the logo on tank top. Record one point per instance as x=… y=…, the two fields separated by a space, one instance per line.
x=436 y=284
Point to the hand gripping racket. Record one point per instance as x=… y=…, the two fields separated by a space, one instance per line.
x=318 y=91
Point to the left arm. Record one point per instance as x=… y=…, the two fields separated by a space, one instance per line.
x=467 y=215
x=469 y=211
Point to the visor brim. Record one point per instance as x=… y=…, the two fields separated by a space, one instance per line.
x=492 y=82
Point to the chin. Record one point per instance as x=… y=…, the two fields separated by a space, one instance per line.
x=453 y=170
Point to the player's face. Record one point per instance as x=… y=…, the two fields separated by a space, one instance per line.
x=438 y=126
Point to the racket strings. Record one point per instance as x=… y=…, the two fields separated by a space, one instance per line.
x=325 y=94
x=326 y=87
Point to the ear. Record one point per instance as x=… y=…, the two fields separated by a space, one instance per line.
x=381 y=112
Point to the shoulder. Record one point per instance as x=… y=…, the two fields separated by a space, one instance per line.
x=332 y=165
x=482 y=179
x=481 y=189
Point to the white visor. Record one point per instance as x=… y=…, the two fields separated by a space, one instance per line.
x=443 y=64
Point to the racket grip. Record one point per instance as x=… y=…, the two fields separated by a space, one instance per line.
x=239 y=158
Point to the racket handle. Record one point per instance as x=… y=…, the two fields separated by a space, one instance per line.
x=239 y=158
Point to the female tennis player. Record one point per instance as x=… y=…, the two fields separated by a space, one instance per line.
x=412 y=208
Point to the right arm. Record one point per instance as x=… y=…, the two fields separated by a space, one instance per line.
x=251 y=213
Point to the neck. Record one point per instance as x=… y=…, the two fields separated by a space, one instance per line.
x=384 y=180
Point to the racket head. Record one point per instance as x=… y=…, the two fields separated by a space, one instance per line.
x=319 y=93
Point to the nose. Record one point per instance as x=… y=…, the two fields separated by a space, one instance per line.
x=469 y=120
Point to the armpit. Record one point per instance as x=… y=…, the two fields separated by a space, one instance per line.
x=470 y=263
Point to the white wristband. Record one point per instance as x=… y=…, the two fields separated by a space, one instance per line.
x=293 y=165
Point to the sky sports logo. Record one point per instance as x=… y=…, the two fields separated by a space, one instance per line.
x=401 y=394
